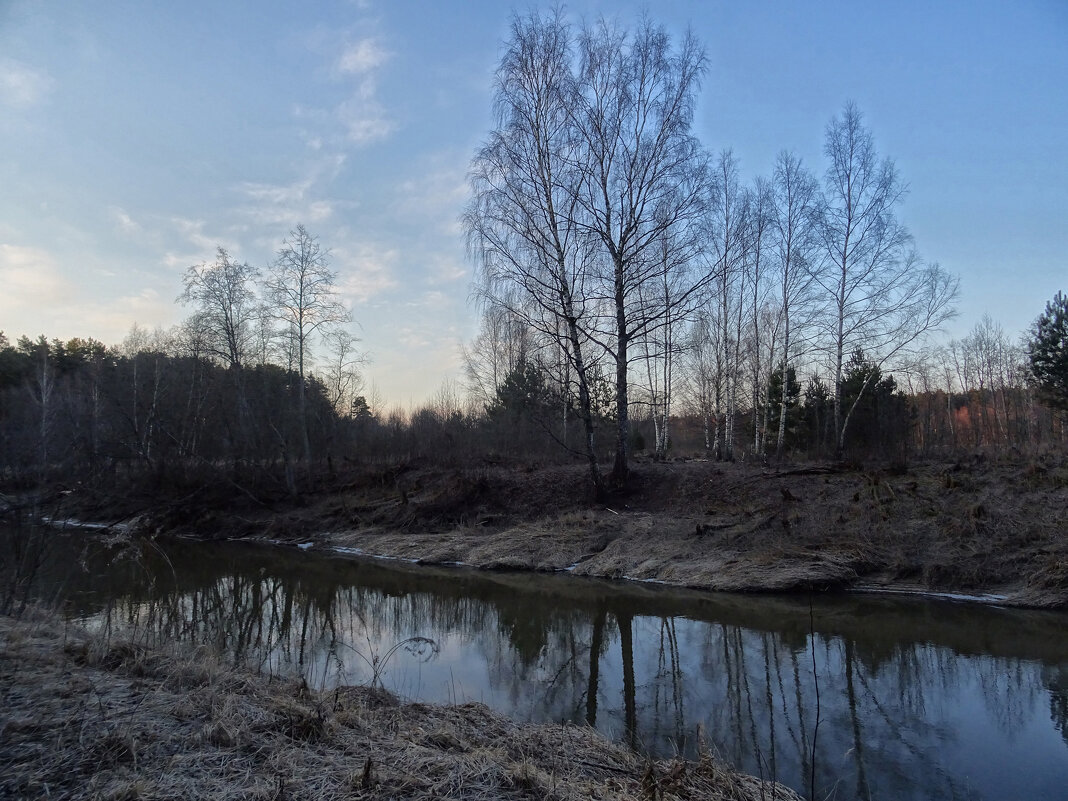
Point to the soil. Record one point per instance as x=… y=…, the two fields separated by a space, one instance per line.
x=978 y=527
x=88 y=716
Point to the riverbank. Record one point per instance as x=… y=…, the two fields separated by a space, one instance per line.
x=973 y=528
x=86 y=716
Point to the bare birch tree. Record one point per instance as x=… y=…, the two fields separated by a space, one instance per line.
x=795 y=240
x=659 y=347
x=521 y=224
x=301 y=290
x=504 y=341
x=223 y=296
x=727 y=243
x=644 y=183
x=701 y=374
x=756 y=267
x=882 y=299
x=341 y=374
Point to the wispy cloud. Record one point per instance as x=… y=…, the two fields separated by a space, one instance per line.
x=274 y=205
x=437 y=196
x=21 y=85
x=365 y=270
x=444 y=269
x=39 y=297
x=115 y=316
x=123 y=221
x=282 y=205
x=193 y=232
x=194 y=245
x=361 y=113
x=364 y=119
x=362 y=57
x=31 y=279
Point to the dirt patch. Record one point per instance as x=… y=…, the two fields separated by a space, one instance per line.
x=83 y=717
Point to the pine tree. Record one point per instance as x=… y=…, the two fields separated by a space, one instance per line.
x=1047 y=350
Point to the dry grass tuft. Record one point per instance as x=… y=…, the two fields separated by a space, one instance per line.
x=81 y=717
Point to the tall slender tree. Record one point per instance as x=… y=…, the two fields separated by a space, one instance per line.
x=795 y=228
x=644 y=184
x=522 y=222
x=301 y=289
x=881 y=297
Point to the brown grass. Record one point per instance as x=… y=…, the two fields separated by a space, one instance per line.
x=956 y=527
x=972 y=526
x=85 y=717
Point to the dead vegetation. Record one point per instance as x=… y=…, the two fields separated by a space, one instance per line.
x=974 y=525
x=87 y=717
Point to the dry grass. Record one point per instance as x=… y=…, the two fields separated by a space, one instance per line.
x=971 y=526
x=975 y=525
x=82 y=717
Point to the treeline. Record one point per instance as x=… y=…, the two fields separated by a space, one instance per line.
x=624 y=264
x=78 y=411
x=978 y=393
x=230 y=388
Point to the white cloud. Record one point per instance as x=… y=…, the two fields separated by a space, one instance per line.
x=445 y=270
x=114 y=317
x=195 y=246
x=356 y=115
x=362 y=115
x=364 y=120
x=282 y=205
x=432 y=301
x=193 y=232
x=362 y=57
x=414 y=339
x=22 y=86
x=39 y=298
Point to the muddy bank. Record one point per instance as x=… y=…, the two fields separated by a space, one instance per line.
x=84 y=716
x=977 y=528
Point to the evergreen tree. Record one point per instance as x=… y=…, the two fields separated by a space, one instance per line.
x=1047 y=350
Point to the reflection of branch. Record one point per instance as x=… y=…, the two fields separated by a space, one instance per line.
x=816 y=684
x=921 y=755
x=422 y=648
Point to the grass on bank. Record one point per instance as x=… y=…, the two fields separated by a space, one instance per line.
x=83 y=716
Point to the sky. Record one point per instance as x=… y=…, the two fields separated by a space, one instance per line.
x=136 y=138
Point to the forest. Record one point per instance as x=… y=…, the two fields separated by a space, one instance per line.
x=165 y=405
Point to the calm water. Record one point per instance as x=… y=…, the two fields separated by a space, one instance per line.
x=916 y=699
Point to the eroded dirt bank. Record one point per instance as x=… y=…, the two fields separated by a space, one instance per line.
x=82 y=716
x=973 y=526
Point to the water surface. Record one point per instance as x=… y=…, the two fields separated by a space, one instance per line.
x=876 y=697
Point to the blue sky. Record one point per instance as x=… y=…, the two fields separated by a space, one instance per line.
x=136 y=137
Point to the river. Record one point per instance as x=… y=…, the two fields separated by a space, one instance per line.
x=877 y=697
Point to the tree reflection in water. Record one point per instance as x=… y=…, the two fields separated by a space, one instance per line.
x=919 y=699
